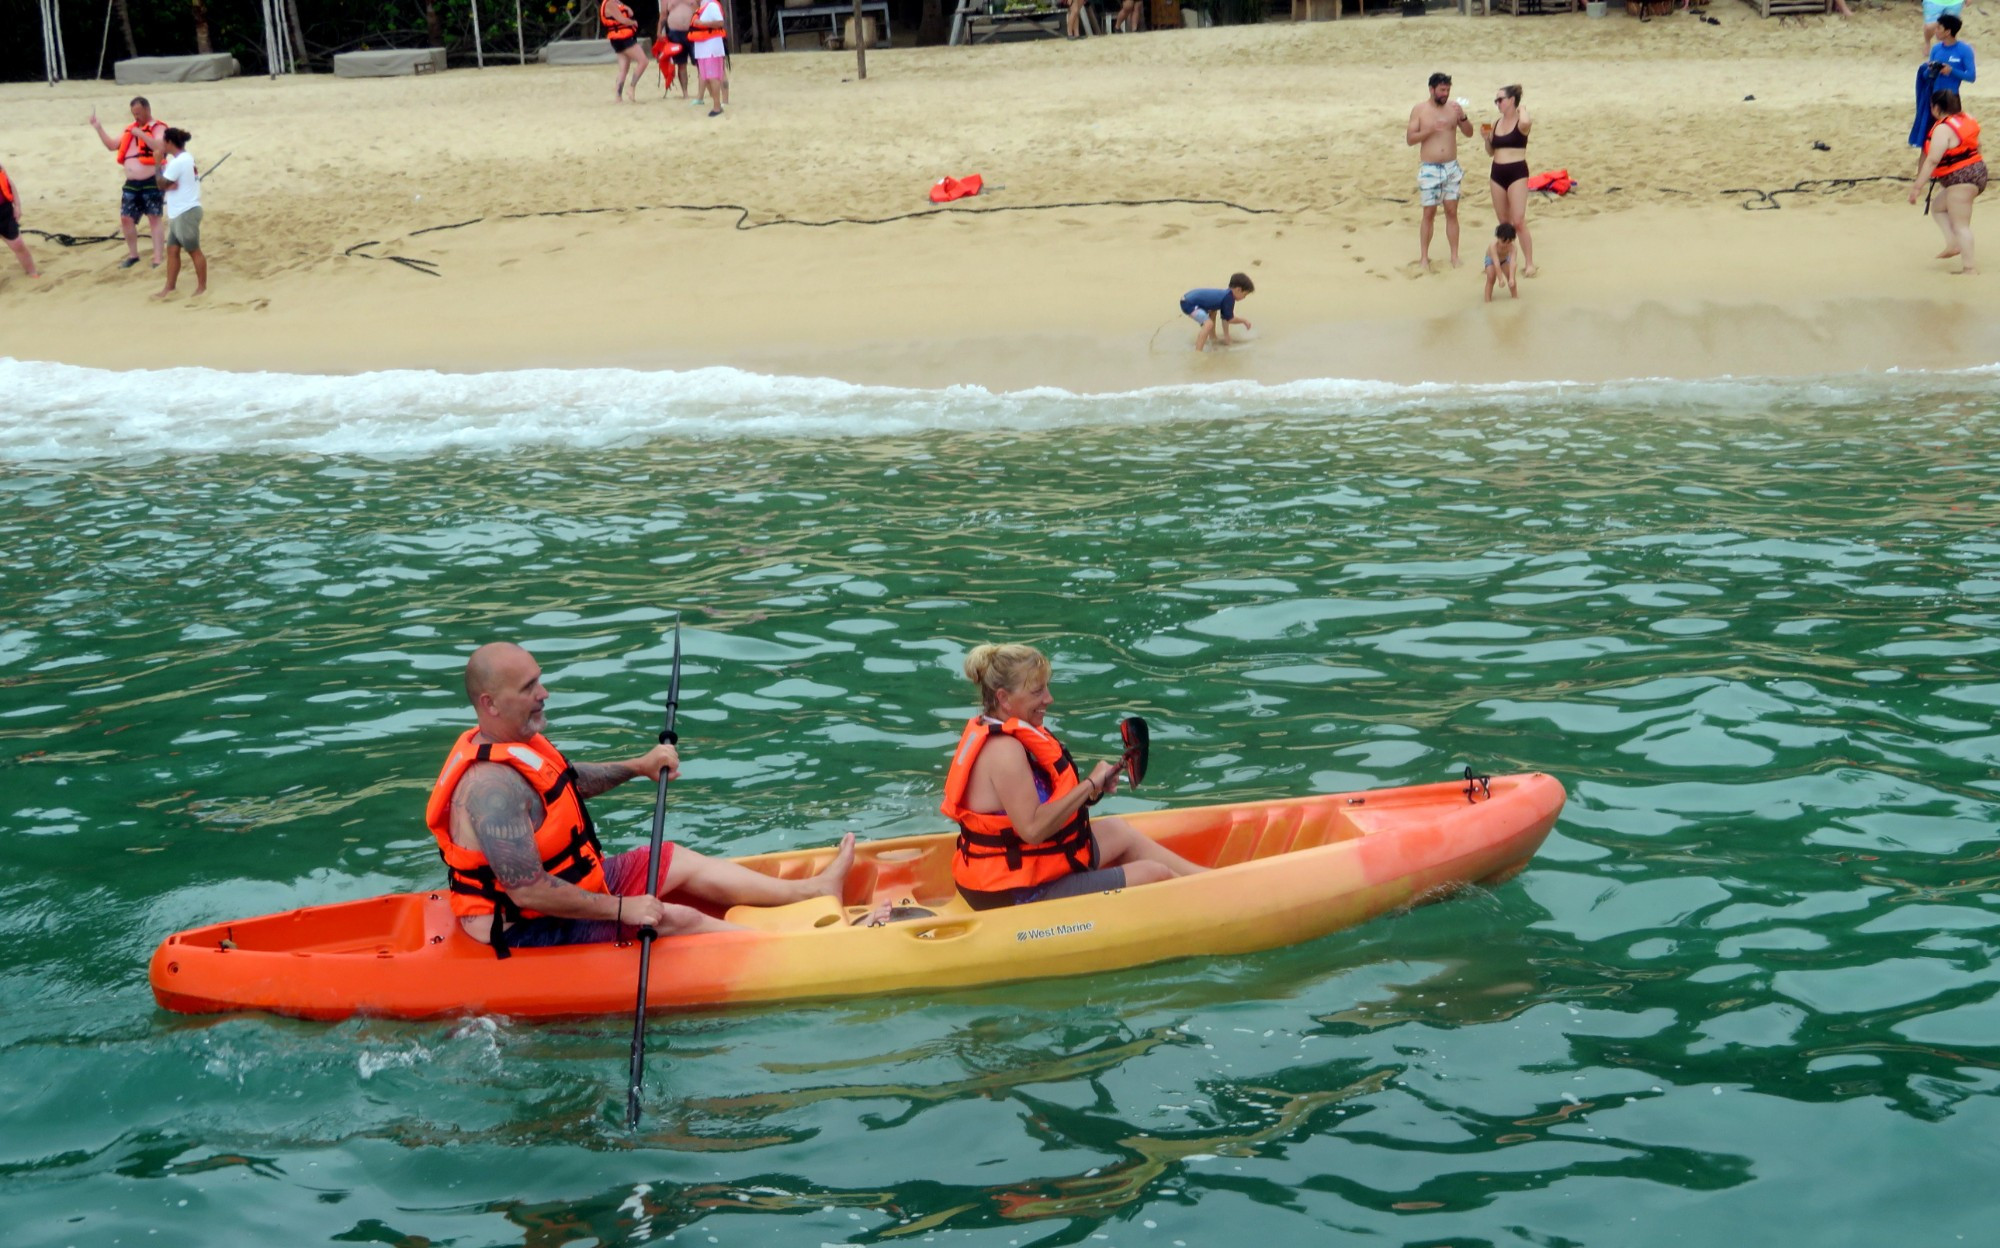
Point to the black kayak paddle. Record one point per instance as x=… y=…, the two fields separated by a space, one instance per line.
x=646 y=934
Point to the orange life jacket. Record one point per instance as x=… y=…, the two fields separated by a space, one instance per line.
x=1964 y=152
x=566 y=840
x=130 y=144
x=991 y=860
x=699 y=29
x=614 y=27
x=944 y=190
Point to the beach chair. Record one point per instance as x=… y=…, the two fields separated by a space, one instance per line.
x=980 y=21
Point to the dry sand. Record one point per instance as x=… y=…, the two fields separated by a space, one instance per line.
x=1654 y=267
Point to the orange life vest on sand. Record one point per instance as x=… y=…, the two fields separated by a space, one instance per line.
x=566 y=840
x=700 y=29
x=947 y=189
x=1557 y=181
x=992 y=861
x=1962 y=153
x=130 y=144
x=614 y=27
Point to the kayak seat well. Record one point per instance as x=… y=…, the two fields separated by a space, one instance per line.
x=393 y=924
x=1249 y=833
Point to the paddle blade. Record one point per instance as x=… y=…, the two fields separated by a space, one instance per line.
x=1138 y=748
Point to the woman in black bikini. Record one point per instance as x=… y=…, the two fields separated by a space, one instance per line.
x=1509 y=149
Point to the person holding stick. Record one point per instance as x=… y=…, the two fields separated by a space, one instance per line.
x=523 y=861
x=181 y=183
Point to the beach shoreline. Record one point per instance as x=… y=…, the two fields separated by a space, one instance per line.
x=1058 y=276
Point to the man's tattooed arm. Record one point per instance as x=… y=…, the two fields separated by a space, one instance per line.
x=501 y=810
x=595 y=778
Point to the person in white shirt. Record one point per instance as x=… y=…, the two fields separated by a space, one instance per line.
x=710 y=56
x=182 y=184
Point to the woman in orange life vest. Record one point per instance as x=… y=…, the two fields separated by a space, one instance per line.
x=1024 y=833
x=519 y=845
x=622 y=29
x=1952 y=161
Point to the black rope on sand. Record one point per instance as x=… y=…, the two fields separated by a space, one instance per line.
x=743 y=221
x=426 y=267
x=1767 y=201
x=72 y=240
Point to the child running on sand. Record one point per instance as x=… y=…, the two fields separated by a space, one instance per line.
x=1209 y=307
x=1500 y=261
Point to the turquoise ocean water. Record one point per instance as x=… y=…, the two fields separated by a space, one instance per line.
x=1746 y=993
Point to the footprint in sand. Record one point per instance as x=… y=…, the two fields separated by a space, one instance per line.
x=1167 y=232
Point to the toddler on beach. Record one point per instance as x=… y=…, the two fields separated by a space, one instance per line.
x=1209 y=307
x=1500 y=261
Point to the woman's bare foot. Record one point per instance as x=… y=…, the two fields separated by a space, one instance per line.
x=877 y=916
x=1530 y=271
x=1965 y=272
x=1946 y=255
x=161 y=294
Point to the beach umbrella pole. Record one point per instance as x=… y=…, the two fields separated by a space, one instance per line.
x=860 y=44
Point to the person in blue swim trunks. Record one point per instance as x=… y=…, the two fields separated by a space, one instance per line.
x=1210 y=307
x=1935 y=9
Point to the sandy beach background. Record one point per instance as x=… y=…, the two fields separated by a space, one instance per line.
x=1655 y=266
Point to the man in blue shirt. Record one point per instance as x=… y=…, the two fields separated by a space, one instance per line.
x=1949 y=65
x=1209 y=307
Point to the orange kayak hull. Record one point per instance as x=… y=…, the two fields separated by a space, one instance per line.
x=1286 y=871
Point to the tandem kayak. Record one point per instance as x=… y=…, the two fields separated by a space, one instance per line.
x=1287 y=871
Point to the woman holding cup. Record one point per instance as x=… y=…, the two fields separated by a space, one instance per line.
x=1507 y=143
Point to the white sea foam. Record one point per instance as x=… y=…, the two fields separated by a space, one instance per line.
x=55 y=412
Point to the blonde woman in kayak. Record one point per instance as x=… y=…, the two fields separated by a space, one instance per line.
x=1025 y=831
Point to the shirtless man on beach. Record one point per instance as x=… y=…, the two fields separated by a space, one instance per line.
x=1435 y=125
x=675 y=18
x=139 y=153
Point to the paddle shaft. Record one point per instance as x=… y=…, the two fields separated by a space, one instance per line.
x=646 y=934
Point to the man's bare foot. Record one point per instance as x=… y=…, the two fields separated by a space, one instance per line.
x=831 y=881
x=1946 y=255
x=199 y=291
x=161 y=294
x=1965 y=272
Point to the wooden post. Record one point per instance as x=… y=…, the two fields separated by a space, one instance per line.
x=860 y=44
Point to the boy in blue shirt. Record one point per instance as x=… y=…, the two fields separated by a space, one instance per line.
x=1209 y=307
x=1949 y=65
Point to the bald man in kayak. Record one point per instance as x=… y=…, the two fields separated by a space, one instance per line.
x=509 y=817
